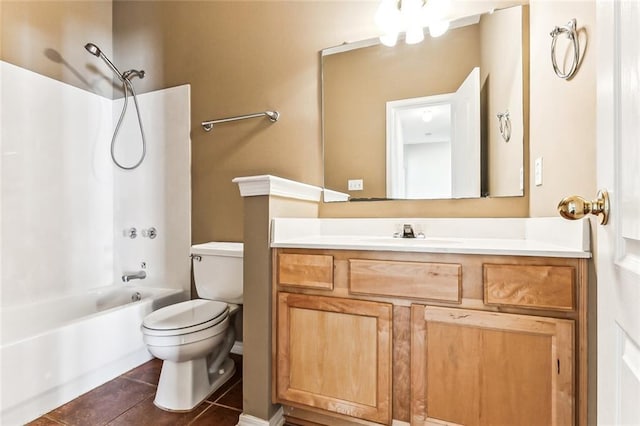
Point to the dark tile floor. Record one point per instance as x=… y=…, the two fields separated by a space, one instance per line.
x=128 y=400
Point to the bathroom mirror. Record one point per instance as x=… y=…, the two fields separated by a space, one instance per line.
x=362 y=139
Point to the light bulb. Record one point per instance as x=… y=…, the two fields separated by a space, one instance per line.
x=389 y=39
x=436 y=29
x=415 y=34
x=410 y=11
x=388 y=16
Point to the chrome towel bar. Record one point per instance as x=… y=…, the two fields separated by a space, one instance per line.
x=272 y=115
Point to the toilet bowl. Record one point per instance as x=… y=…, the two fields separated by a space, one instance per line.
x=194 y=338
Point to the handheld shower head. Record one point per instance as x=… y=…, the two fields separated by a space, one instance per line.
x=93 y=49
x=127 y=87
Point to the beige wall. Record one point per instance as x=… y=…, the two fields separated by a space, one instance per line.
x=563 y=113
x=359 y=83
x=48 y=37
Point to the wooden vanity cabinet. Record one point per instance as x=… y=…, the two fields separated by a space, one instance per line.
x=471 y=367
x=364 y=337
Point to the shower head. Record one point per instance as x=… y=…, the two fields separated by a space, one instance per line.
x=93 y=49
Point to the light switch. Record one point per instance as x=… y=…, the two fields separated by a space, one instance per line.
x=521 y=178
x=355 y=185
x=538 y=171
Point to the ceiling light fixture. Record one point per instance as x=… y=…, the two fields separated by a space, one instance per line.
x=411 y=17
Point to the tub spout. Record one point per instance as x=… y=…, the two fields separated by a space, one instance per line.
x=140 y=275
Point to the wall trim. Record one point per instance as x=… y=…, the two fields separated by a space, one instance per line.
x=251 y=186
x=276 y=420
x=332 y=196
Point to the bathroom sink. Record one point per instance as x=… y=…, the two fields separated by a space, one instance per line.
x=552 y=237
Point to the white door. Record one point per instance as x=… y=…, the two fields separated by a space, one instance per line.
x=618 y=255
x=465 y=138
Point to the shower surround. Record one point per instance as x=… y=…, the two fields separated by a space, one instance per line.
x=66 y=212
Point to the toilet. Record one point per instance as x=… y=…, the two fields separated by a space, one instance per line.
x=194 y=338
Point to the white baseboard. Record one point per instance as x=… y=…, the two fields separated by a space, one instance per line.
x=276 y=420
x=399 y=423
x=237 y=348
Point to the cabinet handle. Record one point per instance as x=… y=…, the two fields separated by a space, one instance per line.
x=558 y=366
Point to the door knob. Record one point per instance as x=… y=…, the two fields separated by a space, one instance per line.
x=575 y=207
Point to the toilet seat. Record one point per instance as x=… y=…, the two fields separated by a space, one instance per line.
x=185 y=338
x=185 y=318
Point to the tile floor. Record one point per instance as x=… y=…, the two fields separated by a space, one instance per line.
x=128 y=400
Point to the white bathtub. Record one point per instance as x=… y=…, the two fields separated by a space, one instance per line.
x=55 y=350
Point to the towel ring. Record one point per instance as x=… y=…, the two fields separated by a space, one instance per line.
x=572 y=34
x=505 y=125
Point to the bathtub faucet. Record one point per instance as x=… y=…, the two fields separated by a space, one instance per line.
x=140 y=275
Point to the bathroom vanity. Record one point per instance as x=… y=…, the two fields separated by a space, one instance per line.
x=443 y=330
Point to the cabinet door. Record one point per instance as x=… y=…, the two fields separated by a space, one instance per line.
x=485 y=368
x=334 y=354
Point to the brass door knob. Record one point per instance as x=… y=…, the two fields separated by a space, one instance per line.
x=576 y=207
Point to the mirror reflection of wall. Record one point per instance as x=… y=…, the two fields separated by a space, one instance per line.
x=358 y=83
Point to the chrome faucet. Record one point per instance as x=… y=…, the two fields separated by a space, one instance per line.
x=407 y=232
x=140 y=275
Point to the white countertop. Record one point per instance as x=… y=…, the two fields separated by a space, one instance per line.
x=547 y=237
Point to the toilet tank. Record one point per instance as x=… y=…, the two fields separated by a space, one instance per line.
x=217 y=271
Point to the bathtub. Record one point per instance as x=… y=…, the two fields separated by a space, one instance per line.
x=55 y=350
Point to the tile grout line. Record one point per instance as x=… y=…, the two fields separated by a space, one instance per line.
x=210 y=404
x=226 y=392
x=140 y=381
x=53 y=419
x=128 y=409
x=239 y=410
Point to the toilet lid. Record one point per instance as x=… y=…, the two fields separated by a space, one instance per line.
x=181 y=337
x=186 y=315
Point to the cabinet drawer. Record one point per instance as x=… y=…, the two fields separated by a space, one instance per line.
x=415 y=280
x=530 y=286
x=306 y=270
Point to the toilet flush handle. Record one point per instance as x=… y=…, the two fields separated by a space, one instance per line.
x=196 y=257
x=576 y=207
